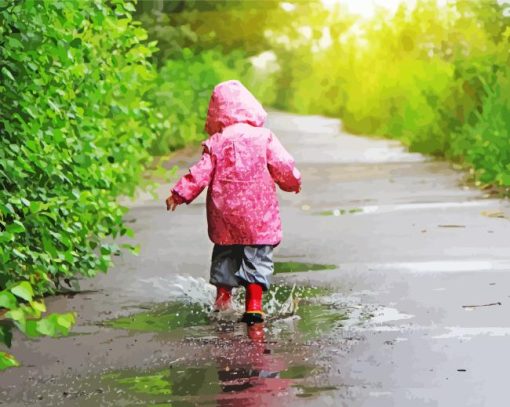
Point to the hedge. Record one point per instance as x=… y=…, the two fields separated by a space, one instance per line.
x=75 y=129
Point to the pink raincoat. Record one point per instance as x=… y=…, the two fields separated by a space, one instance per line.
x=240 y=164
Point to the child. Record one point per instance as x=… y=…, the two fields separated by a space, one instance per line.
x=240 y=163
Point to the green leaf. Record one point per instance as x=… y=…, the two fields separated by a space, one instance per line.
x=18 y=317
x=16 y=314
x=23 y=290
x=76 y=43
x=66 y=321
x=31 y=329
x=56 y=324
x=7 y=73
x=129 y=232
x=35 y=207
x=15 y=227
x=129 y=7
x=5 y=237
x=7 y=360
x=38 y=306
x=18 y=254
x=49 y=247
x=6 y=335
x=46 y=327
x=7 y=300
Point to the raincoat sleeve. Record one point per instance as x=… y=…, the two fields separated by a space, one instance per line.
x=281 y=166
x=199 y=176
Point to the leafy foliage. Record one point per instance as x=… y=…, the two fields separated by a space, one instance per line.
x=19 y=309
x=223 y=25
x=75 y=128
x=7 y=360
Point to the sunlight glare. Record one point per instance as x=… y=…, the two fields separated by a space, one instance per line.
x=367 y=8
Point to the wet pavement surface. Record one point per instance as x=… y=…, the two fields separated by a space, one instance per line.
x=392 y=289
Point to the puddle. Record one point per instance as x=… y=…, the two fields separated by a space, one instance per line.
x=407 y=207
x=296 y=267
x=242 y=365
x=444 y=266
x=177 y=381
x=468 y=333
x=297 y=372
x=238 y=366
x=495 y=214
x=311 y=391
x=288 y=309
x=383 y=315
x=164 y=318
x=317 y=319
x=344 y=211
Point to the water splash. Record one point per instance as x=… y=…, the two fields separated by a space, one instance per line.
x=279 y=301
x=194 y=290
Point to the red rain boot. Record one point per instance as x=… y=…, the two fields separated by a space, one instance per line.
x=253 y=312
x=223 y=298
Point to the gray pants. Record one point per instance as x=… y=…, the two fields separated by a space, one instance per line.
x=234 y=265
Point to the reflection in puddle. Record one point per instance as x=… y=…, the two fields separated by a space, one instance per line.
x=164 y=318
x=296 y=267
x=243 y=365
x=310 y=391
x=189 y=386
x=297 y=372
x=242 y=371
x=316 y=319
x=223 y=384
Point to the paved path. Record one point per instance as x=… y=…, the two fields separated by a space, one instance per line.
x=413 y=246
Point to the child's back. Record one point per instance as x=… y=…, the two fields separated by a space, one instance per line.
x=241 y=163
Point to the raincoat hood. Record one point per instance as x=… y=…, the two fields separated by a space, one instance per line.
x=232 y=103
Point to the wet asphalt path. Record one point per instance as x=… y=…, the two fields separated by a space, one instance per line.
x=415 y=249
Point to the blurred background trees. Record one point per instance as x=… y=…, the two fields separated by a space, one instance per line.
x=433 y=74
x=228 y=25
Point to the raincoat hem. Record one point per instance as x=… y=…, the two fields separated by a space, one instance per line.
x=245 y=242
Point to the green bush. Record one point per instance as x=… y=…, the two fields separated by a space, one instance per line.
x=75 y=128
x=485 y=146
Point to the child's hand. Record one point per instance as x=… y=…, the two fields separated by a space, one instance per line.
x=171 y=203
